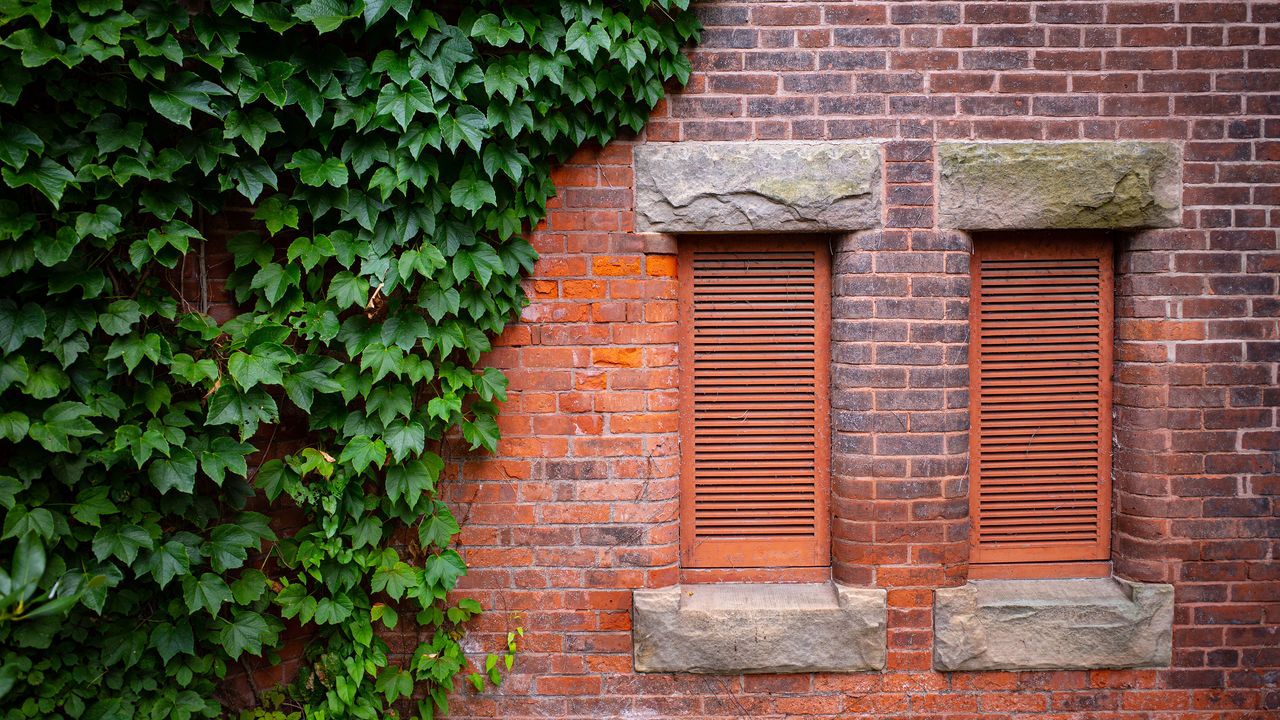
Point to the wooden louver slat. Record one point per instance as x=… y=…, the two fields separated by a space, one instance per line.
x=1040 y=400
x=755 y=319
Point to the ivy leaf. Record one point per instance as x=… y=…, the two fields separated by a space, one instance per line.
x=227 y=406
x=50 y=178
x=177 y=472
x=413 y=479
x=222 y=455
x=252 y=125
x=472 y=193
x=394 y=580
x=169 y=561
x=91 y=504
x=119 y=317
x=326 y=15
x=362 y=452
x=277 y=214
x=229 y=546
x=249 y=586
x=492 y=384
x=402 y=103
x=467 y=124
x=247 y=632
x=206 y=593
x=170 y=640
x=404 y=439
x=16 y=141
x=438 y=528
x=19 y=323
x=348 y=290
x=443 y=570
x=316 y=171
x=122 y=542
x=13 y=426
x=103 y=223
x=483 y=431
x=276 y=280
x=185 y=93
x=331 y=611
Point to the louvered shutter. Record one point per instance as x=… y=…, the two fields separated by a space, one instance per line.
x=1040 y=407
x=754 y=355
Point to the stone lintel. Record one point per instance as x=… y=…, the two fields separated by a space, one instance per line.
x=1042 y=185
x=759 y=628
x=791 y=186
x=1052 y=624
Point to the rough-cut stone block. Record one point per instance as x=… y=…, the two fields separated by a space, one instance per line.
x=757 y=186
x=752 y=628
x=1011 y=185
x=1052 y=624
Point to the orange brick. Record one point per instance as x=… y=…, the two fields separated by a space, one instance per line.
x=615 y=266
x=583 y=289
x=617 y=357
x=661 y=265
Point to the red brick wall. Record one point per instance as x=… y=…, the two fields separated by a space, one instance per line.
x=581 y=506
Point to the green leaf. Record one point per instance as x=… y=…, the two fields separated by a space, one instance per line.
x=91 y=504
x=331 y=611
x=229 y=546
x=492 y=384
x=277 y=214
x=483 y=431
x=413 y=479
x=362 y=452
x=171 y=640
x=467 y=124
x=168 y=561
x=185 y=93
x=103 y=222
x=16 y=142
x=247 y=632
x=28 y=566
x=253 y=125
x=13 y=426
x=318 y=172
x=402 y=103
x=119 y=317
x=405 y=439
x=472 y=193
x=443 y=570
x=228 y=406
x=178 y=472
x=348 y=290
x=50 y=178
x=122 y=542
x=250 y=586
x=394 y=580
x=206 y=593
x=326 y=15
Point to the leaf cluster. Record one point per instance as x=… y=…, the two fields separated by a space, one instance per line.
x=385 y=159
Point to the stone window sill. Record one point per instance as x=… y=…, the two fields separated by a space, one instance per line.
x=759 y=628
x=1052 y=624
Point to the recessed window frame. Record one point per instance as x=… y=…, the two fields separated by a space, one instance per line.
x=1032 y=559
x=735 y=552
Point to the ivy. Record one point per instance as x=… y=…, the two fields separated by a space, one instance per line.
x=392 y=156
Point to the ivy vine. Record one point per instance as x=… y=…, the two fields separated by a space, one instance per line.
x=392 y=154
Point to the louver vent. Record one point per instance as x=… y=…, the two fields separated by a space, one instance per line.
x=1040 y=360
x=754 y=434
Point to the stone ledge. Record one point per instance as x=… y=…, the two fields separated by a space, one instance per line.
x=1052 y=625
x=1044 y=185
x=759 y=628
x=757 y=186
